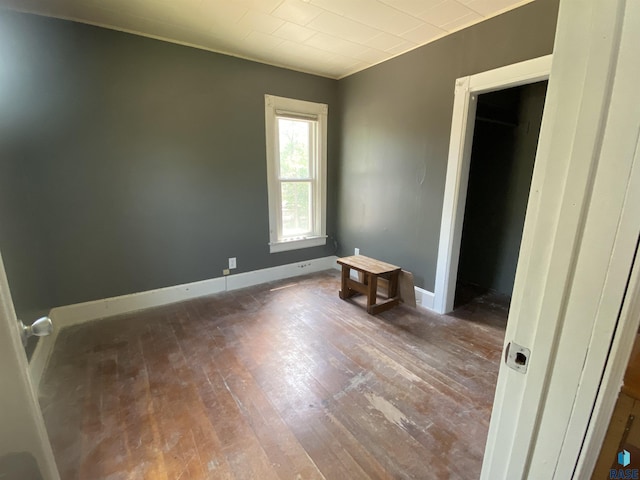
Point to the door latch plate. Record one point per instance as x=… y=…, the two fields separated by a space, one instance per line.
x=517 y=357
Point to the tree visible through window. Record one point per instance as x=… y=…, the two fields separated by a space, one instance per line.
x=296 y=183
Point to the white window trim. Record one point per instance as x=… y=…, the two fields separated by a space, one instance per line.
x=273 y=105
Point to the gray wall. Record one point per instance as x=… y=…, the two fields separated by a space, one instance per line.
x=130 y=164
x=395 y=127
x=502 y=162
x=21 y=235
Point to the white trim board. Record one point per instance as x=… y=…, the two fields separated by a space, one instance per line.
x=256 y=277
x=316 y=114
x=612 y=379
x=467 y=90
x=577 y=246
x=69 y=315
x=589 y=343
x=424 y=298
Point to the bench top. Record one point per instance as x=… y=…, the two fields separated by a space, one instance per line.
x=366 y=264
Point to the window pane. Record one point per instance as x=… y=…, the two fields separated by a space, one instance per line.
x=296 y=208
x=294 y=148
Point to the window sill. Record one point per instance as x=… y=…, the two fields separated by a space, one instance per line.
x=297 y=244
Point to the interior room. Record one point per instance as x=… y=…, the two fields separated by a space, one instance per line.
x=179 y=193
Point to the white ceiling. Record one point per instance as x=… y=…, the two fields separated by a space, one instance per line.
x=333 y=38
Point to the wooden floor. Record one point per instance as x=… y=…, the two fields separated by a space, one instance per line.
x=278 y=381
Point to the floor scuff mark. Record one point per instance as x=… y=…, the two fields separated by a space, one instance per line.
x=355 y=382
x=386 y=408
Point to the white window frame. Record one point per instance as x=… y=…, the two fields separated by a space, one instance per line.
x=282 y=107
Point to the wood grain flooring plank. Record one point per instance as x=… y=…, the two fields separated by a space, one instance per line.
x=287 y=458
x=302 y=409
x=285 y=453
x=366 y=357
x=303 y=375
x=279 y=381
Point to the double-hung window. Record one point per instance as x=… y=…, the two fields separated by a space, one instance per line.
x=296 y=169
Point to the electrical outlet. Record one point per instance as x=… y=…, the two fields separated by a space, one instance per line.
x=356 y=251
x=232 y=263
x=225 y=271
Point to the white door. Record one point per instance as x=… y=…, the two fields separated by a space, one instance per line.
x=579 y=241
x=25 y=452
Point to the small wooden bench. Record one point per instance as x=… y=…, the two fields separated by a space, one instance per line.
x=369 y=270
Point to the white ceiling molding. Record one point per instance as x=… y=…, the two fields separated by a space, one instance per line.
x=331 y=38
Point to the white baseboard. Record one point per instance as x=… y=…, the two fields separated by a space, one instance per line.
x=78 y=313
x=69 y=315
x=424 y=298
x=248 y=279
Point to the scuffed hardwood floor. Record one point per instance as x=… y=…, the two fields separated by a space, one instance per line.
x=277 y=381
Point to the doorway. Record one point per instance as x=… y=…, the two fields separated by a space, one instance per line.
x=505 y=139
x=467 y=91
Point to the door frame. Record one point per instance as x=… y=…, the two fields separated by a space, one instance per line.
x=602 y=314
x=609 y=388
x=579 y=241
x=27 y=424
x=467 y=90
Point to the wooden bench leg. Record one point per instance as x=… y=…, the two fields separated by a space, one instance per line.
x=345 y=291
x=393 y=284
x=373 y=307
x=372 y=292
